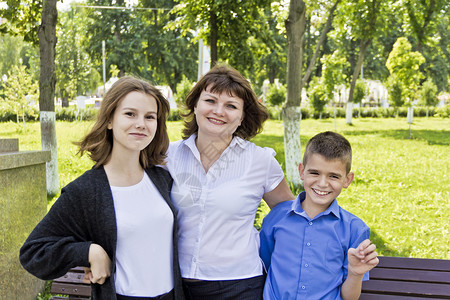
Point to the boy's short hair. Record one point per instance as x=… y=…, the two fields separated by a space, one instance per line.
x=330 y=145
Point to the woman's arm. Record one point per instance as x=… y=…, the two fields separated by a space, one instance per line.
x=279 y=194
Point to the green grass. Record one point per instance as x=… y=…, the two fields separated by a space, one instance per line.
x=401 y=187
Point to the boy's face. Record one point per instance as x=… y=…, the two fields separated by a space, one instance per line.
x=323 y=180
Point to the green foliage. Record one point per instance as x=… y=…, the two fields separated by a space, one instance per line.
x=75 y=72
x=138 y=42
x=72 y=113
x=20 y=90
x=317 y=95
x=241 y=28
x=23 y=18
x=404 y=65
x=360 y=91
x=395 y=92
x=276 y=94
x=428 y=93
x=333 y=72
x=183 y=89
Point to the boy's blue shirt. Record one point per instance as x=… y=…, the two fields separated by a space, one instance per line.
x=307 y=258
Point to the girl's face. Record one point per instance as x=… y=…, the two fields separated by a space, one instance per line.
x=218 y=115
x=134 y=122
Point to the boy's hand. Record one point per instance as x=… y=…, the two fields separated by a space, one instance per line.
x=100 y=265
x=362 y=259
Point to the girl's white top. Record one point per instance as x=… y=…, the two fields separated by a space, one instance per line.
x=216 y=210
x=144 y=240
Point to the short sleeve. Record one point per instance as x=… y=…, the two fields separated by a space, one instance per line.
x=274 y=173
x=362 y=233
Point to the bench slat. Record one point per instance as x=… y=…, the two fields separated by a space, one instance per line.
x=414 y=263
x=369 y=296
x=415 y=289
x=410 y=275
x=71 y=289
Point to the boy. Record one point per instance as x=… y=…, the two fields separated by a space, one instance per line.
x=311 y=247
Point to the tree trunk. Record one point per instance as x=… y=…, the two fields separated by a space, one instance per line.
x=47 y=81
x=213 y=37
x=362 y=52
x=295 y=29
x=323 y=35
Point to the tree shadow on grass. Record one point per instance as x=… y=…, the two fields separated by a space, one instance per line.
x=384 y=250
x=432 y=137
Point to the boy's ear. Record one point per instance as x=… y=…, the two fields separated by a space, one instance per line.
x=348 y=179
x=301 y=170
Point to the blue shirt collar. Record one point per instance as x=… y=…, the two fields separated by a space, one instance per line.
x=297 y=207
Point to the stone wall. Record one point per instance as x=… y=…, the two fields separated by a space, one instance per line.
x=23 y=203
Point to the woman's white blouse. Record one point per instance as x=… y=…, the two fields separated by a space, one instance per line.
x=216 y=210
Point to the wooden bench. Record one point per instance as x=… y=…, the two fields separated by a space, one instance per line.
x=398 y=278
x=395 y=278
x=71 y=285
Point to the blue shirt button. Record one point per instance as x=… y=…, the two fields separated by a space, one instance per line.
x=306 y=265
x=308 y=244
x=303 y=287
x=310 y=223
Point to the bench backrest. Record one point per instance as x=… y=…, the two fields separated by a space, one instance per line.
x=72 y=284
x=408 y=278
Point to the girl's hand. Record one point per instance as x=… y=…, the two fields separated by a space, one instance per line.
x=100 y=265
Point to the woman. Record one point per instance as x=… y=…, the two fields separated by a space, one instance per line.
x=219 y=180
x=116 y=219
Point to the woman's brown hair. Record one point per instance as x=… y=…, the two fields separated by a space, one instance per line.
x=220 y=79
x=99 y=141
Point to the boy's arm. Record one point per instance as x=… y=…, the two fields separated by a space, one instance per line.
x=360 y=261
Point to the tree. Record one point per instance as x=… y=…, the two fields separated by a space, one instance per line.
x=74 y=69
x=20 y=89
x=360 y=93
x=419 y=16
x=23 y=19
x=317 y=96
x=333 y=72
x=140 y=42
x=47 y=81
x=227 y=25
x=183 y=89
x=428 y=94
x=395 y=92
x=404 y=65
x=122 y=32
x=10 y=47
x=426 y=23
x=364 y=15
x=295 y=29
x=276 y=94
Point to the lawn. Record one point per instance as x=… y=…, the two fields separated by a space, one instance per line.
x=401 y=187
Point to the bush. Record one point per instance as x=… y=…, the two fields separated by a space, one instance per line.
x=276 y=94
x=7 y=112
x=317 y=97
x=72 y=113
x=183 y=89
x=174 y=115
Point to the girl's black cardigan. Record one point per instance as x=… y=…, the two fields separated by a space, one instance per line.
x=84 y=214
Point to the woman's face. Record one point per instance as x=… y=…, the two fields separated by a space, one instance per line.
x=218 y=115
